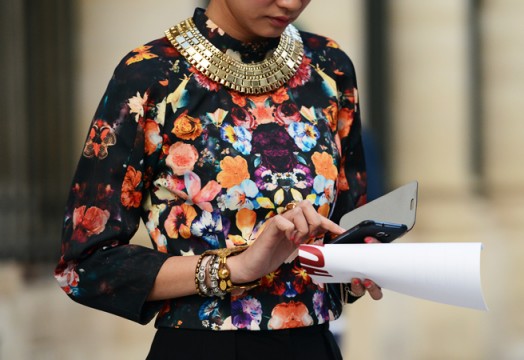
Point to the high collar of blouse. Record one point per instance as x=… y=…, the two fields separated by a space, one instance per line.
x=254 y=51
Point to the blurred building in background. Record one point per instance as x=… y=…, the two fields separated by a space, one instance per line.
x=440 y=83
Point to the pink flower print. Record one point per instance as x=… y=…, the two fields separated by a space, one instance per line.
x=88 y=222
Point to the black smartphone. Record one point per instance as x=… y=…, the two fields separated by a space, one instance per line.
x=382 y=231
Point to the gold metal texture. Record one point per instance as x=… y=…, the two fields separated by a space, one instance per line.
x=254 y=78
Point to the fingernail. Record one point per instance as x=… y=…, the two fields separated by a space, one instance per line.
x=356 y=282
x=367 y=284
x=368 y=240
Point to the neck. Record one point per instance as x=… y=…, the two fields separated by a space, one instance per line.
x=222 y=17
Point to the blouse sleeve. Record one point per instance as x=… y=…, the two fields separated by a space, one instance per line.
x=352 y=184
x=98 y=266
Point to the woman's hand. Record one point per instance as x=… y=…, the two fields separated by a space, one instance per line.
x=281 y=236
x=359 y=287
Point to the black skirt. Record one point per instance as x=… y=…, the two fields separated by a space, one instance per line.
x=312 y=342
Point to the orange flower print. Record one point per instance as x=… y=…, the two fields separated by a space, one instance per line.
x=262 y=110
x=345 y=120
x=246 y=220
x=234 y=171
x=274 y=283
x=130 y=197
x=153 y=139
x=324 y=165
x=182 y=157
x=178 y=222
x=343 y=184
x=331 y=113
x=269 y=279
x=302 y=279
x=238 y=99
x=289 y=315
x=352 y=95
x=324 y=210
x=280 y=95
x=142 y=53
x=187 y=127
x=88 y=221
x=332 y=43
x=100 y=137
x=159 y=239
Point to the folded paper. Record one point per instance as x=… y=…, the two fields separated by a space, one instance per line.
x=447 y=273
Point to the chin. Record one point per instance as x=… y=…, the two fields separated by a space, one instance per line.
x=273 y=33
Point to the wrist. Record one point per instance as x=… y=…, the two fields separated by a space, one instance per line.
x=238 y=271
x=220 y=270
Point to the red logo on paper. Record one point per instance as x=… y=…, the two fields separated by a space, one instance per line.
x=313 y=264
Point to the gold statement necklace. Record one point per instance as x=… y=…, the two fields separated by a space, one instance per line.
x=255 y=78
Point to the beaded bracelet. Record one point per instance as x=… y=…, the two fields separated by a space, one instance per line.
x=221 y=275
x=200 y=275
x=213 y=276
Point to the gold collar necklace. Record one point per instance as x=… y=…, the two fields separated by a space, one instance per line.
x=255 y=78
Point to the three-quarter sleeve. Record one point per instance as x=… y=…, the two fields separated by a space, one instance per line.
x=352 y=184
x=99 y=267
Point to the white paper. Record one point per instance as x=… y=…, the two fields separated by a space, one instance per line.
x=447 y=273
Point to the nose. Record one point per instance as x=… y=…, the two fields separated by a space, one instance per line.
x=292 y=5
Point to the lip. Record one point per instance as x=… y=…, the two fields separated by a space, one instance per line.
x=281 y=21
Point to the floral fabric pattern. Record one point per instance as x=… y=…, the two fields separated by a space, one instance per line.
x=204 y=167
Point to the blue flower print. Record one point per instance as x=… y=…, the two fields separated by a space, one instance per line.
x=242 y=196
x=305 y=135
x=324 y=189
x=209 y=227
x=239 y=137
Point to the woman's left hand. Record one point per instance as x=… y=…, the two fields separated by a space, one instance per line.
x=359 y=287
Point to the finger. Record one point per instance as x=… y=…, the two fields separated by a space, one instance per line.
x=330 y=226
x=284 y=225
x=373 y=289
x=301 y=225
x=313 y=218
x=307 y=220
x=318 y=223
x=370 y=240
x=357 y=288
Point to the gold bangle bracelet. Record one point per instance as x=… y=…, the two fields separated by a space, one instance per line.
x=224 y=274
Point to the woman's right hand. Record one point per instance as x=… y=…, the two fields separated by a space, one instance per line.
x=281 y=236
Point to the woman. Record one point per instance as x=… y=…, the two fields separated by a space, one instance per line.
x=232 y=128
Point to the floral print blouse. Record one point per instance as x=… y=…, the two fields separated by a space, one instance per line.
x=204 y=167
